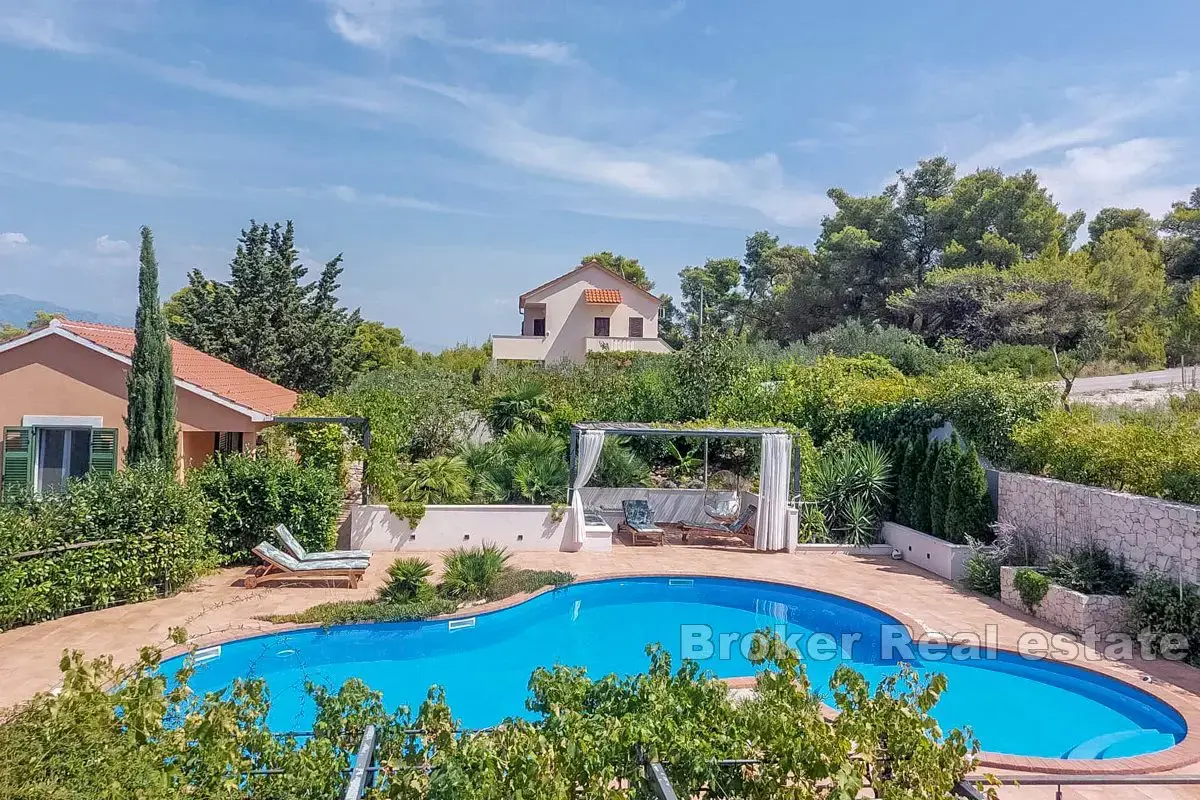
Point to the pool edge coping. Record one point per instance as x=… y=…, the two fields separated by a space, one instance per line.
x=1180 y=700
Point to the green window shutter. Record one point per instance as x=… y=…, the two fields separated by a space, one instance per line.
x=104 y=450
x=17 y=476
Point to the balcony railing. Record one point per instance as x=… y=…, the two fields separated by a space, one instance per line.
x=626 y=344
x=519 y=348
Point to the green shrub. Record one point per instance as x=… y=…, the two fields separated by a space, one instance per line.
x=985 y=409
x=1031 y=585
x=251 y=495
x=1160 y=605
x=905 y=350
x=1092 y=570
x=157 y=541
x=408 y=579
x=922 y=514
x=983 y=572
x=911 y=418
x=943 y=481
x=969 y=507
x=471 y=573
x=523 y=581
x=584 y=738
x=345 y=612
x=1157 y=455
x=1027 y=360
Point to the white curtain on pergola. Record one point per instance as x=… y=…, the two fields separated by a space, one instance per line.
x=770 y=532
x=587 y=457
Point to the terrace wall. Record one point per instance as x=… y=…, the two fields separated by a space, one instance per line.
x=444 y=527
x=1151 y=534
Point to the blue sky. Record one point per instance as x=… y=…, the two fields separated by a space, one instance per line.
x=460 y=152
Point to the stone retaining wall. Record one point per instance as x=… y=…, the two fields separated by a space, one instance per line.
x=1069 y=609
x=1151 y=534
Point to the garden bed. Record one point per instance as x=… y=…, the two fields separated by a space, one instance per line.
x=942 y=558
x=1066 y=608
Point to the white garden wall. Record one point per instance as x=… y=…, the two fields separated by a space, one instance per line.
x=444 y=527
x=928 y=552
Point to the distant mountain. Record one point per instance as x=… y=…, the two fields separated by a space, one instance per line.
x=17 y=310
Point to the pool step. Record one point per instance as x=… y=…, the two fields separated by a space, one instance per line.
x=1121 y=744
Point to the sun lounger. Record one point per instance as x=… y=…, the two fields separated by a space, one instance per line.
x=640 y=521
x=278 y=565
x=292 y=545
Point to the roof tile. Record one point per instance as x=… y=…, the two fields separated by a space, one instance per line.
x=602 y=296
x=195 y=367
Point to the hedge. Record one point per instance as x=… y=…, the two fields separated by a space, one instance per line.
x=251 y=495
x=1153 y=456
x=159 y=542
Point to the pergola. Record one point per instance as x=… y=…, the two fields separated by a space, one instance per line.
x=775 y=476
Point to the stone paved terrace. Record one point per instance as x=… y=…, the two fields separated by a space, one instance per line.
x=218 y=608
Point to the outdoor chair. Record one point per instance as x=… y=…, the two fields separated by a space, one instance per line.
x=735 y=527
x=640 y=522
x=278 y=565
x=292 y=545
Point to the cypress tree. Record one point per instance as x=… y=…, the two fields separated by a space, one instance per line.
x=150 y=385
x=970 y=508
x=914 y=457
x=943 y=479
x=921 y=515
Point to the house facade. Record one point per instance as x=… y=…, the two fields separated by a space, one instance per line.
x=63 y=404
x=587 y=310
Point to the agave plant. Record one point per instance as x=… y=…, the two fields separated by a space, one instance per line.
x=469 y=573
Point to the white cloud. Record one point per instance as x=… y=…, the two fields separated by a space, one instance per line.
x=68 y=26
x=1089 y=116
x=106 y=246
x=383 y=24
x=1125 y=174
x=12 y=241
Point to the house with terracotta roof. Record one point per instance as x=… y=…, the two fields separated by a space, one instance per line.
x=588 y=310
x=63 y=403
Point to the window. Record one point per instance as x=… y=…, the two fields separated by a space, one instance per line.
x=635 y=327
x=600 y=326
x=539 y=327
x=62 y=453
x=230 y=442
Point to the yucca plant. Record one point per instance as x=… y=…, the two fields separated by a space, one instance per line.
x=851 y=488
x=408 y=579
x=470 y=573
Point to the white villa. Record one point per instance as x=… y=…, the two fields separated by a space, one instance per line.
x=587 y=310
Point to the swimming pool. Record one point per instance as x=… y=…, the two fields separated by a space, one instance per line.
x=1013 y=705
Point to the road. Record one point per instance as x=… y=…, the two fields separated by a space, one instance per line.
x=1105 y=383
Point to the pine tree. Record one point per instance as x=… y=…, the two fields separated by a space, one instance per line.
x=267 y=319
x=921 y=514
x=970 y=508
x=150 y=385
x=943 y=479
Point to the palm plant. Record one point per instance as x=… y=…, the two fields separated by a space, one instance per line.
x=541 y=480
x=441 y=479
x=620 y=466
x=408 y=579
x=526 y=406
x=469 y=573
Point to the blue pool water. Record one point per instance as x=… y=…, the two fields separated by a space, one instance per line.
x=1013 y=705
